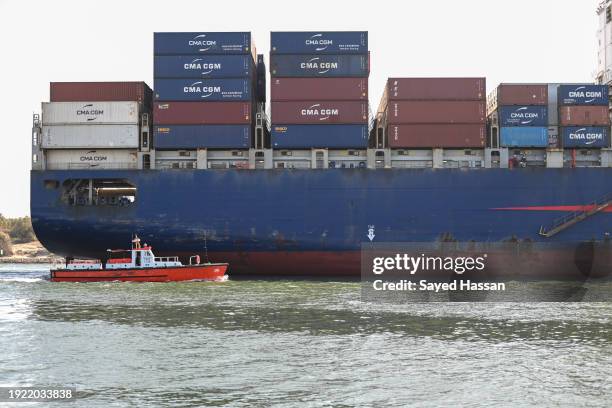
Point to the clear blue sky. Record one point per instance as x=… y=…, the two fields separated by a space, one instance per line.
x=69 y=40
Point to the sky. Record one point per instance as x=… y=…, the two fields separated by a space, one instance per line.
x=112 y=40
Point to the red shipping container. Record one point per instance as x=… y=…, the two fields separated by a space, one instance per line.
x=436 y=112
x=202 y=113
x=436 y=136
x=310 y=112
x=516 y=94
x=101 y=92
x=319 y=89
x=584 y=115
x=428 y=89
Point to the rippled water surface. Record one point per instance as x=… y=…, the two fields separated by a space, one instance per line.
x=294 y=343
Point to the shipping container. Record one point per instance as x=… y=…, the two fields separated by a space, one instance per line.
x=436 y=112
x=584 y=115
x=319 y=42
x=586 y=137
x=90 y=136
x=57 y=113
x=202 y=136
x=235 y=89
x=202 y=113
x=427 y=89
x=531 y=115
x=319 y=89
x=583 y=95
x=310 y=112
x=203 y=66
x=101 y=92
x=319 y=136
x=308 y=65
x=521 y=94
x=197 y=43
x=436 y=136
x=74 y=159
x=524 y=136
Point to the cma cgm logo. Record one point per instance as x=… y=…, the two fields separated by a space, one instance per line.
x=316 y=111
x=319 y=42
x=202 y=42
x=199 y=65
x=321 y=66
x=588 y=138
x=524 y=116
x=91 y=156
x=206 y=91
x=89 y=111
x=582 y=93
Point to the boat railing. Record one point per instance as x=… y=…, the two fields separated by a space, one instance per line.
x=166 y=259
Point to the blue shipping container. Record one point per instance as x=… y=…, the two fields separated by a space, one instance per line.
x=319 y=65
x=579 y=136
x=523 y=115
x=202 y=43
x=203 y=89
x=204 y=66
x=319 y=136
x=583 y=94
x=319 y=42
x=524 y=136
x=202 y=136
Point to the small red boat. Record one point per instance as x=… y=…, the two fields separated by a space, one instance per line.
x=139 y=265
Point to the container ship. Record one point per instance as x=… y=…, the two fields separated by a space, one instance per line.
x=203 y=163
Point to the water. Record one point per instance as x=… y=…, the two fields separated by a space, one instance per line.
x=290 y=343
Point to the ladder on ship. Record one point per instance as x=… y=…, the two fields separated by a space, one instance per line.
x=574 y=218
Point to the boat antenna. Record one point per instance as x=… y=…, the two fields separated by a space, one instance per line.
x=206 y=247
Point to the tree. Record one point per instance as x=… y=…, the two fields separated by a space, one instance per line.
x=5 y=244
x=21 y=230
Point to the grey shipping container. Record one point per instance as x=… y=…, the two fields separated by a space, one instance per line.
x=90 y=136
x=125 y=113
x=91 y=159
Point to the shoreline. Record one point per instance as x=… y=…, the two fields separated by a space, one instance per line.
x=34 y=261
x=30 y=253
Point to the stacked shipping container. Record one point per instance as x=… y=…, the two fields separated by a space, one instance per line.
x=319 y=89
x=94 y=124
x=584 y=116
x=204 y=90
x=522 y=111
x=434 y=112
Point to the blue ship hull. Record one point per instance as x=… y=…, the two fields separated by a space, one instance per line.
x=313 y=222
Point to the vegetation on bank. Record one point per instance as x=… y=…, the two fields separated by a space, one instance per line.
x=15 y=231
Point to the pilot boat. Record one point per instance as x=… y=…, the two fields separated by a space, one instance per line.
x=138 y=264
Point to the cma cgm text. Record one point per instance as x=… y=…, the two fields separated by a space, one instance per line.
x=197 y=65
x=320 y=112
x=202 y=89
x=319 y=65
x=580 y=94
x=200 y=43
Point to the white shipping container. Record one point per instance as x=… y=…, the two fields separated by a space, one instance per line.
x=90 y=136
x=66 y=113
x=68 y=159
